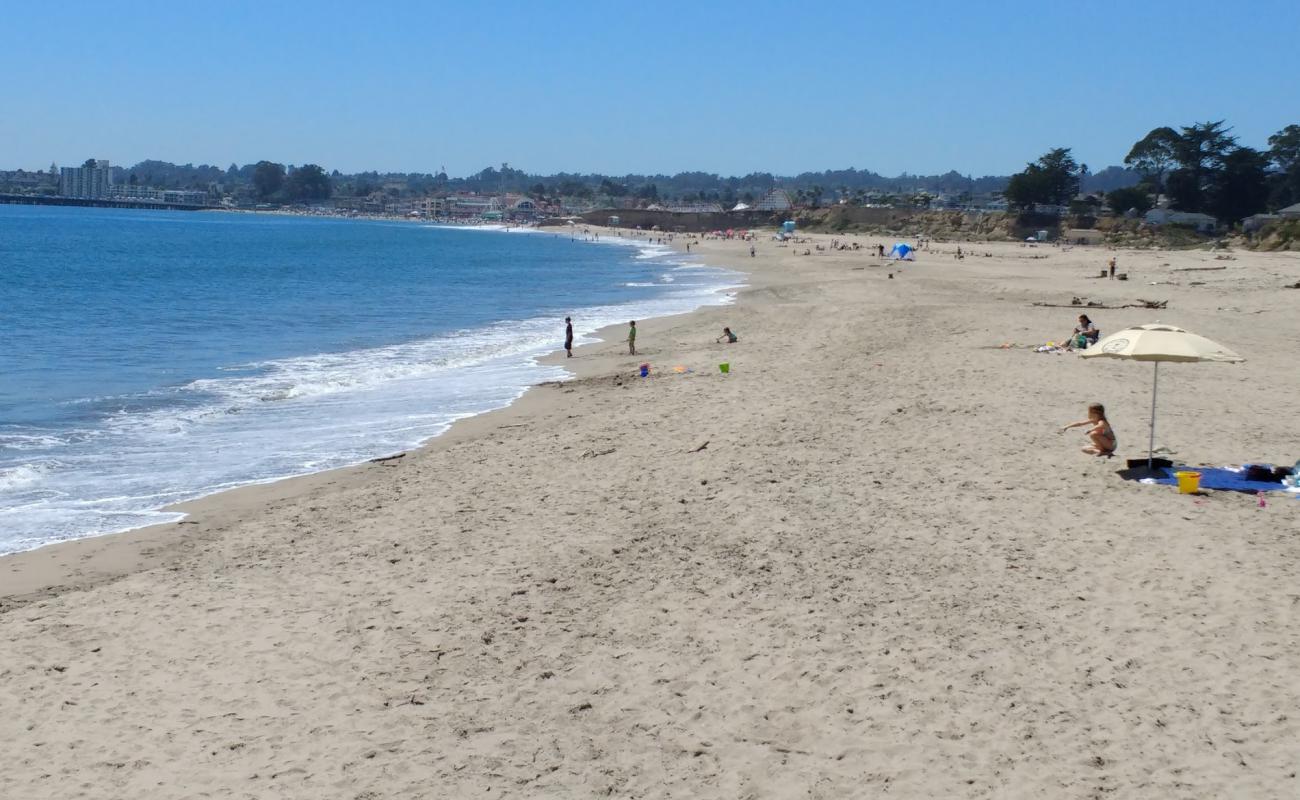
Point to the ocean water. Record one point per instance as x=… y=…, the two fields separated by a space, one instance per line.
x=151 y=357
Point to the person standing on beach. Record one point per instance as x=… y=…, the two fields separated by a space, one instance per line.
x=568 y=336
x=1112 y=267
x=631 y=338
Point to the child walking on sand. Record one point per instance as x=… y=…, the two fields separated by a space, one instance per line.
x=631 y=338
x=1101 y=434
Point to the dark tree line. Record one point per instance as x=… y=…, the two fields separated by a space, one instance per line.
x=1199 y=168
x=270 y=181
x=1203 y=168
x=1053 y=179
x=273 y=181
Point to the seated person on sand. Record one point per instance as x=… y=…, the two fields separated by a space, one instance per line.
x=1085 y=334
x=1100 y=434
x=728 y=335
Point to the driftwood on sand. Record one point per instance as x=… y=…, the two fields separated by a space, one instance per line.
x=1078 y=304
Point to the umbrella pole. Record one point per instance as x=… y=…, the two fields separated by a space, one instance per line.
x=1151 y=443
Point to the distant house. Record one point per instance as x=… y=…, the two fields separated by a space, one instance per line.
x=1290 y=212
x=775 y=200
x=1202 y=223
x=1256 y=221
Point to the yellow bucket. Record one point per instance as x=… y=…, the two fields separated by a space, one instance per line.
x=1188 y=482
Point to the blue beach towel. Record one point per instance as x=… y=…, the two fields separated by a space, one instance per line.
x=1221 y=479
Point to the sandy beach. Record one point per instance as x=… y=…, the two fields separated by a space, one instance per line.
x=866 y=562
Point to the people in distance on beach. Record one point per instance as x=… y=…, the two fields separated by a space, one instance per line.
x=1112 y=267
x=568 y=336
x=728 y=335
x=631 y=338
x=1085 y=334
x=1101 y=434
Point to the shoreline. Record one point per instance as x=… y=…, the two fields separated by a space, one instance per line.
x=77 y=564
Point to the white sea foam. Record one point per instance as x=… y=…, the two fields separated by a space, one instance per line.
x=22 y=476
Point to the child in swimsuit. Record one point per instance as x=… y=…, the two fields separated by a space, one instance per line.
x=1100 y=434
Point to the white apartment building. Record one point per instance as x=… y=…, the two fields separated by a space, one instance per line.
x=86 y=182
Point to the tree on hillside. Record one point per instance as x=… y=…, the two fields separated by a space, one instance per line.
x=1284 y=152
x=268 y=178
x=1135 y=198
x=1110 y=178
x=1201 y=168
x=1154 y=156
x=1240 y=187
x=308 y=182
x=1200 y=151
x=612 y=188
x=1051 y=180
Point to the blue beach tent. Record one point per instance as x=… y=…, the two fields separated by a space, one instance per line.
x=902 y=252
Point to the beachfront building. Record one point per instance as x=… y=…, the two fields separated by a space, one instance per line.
x=521 y=209
x=183 y=197
x=462 y=206
x=1202 y=223
x=432 y=206
x=91 y=182
x=775 y=200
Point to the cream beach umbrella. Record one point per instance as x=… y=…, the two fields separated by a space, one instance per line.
x=1158 y=343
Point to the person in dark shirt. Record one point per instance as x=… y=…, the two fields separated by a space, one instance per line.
x=568 y=336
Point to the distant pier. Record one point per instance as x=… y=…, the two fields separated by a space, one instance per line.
x=107 y=202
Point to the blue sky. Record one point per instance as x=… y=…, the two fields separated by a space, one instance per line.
x=618 y=87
